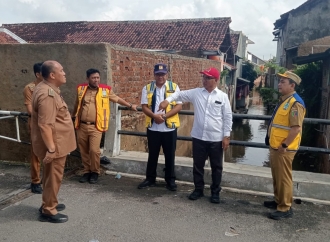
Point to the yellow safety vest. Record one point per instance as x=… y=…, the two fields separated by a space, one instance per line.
x=280 y=124
x=170 y=87
x=102 y=106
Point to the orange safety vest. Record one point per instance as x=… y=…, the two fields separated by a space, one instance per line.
x=102 y=103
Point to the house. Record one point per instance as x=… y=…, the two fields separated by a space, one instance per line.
x=8 y=37
x=237 y=93
x=201 y=38
x=307 y=22
x=325 y=96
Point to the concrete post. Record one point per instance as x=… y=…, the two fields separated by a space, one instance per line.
x=112 y=138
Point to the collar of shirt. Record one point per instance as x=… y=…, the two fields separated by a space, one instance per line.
x=215 y=90
x=282 y=98
x=56 y=89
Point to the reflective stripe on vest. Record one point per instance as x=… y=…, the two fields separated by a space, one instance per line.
x=280 y=124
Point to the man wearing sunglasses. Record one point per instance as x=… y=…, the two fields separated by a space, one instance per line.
x=210 y=132
x=161 y=126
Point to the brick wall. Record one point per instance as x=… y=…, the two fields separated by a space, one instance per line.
x=306 y=48
x=127 y=70
x=132 y=69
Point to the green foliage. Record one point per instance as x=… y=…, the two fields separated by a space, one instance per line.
x=249 y=73
x=278 y=69
x=310 y=91
x=224 y=73
x=310 y=87
x=267 y=95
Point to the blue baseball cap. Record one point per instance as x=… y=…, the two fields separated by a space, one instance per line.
x=160 y=68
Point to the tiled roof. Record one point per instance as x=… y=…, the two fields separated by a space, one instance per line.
x=7 y=39
x=183 y=34
x=234 y=42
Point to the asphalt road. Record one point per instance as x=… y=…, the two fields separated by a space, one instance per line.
x=115 y=210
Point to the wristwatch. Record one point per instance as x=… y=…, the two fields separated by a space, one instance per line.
x=284 y=145
x=164 y=116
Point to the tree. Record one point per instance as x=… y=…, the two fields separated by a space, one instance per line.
x=249 y=73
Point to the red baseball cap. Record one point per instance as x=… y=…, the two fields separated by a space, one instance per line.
x=212 y=72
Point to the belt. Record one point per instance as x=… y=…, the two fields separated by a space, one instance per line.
x=89 y=123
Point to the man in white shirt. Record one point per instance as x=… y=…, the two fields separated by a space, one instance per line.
x=161 y=126
x=210 y=132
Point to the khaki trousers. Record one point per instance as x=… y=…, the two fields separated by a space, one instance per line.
x=34 y=163
x=51 y=181
x=281 y=166
x=35 y=168
x=89 y=139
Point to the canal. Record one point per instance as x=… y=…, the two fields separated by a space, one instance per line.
x=249 y=130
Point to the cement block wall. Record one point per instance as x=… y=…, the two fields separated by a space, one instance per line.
x=127 y=70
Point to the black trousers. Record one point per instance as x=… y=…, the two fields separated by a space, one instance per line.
x=201 y=151
x=166 y=140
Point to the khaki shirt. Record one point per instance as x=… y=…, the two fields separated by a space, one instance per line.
x=28 y=91
x=50 y=110
x=88 y=106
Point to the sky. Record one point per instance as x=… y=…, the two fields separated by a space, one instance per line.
x=254 y=18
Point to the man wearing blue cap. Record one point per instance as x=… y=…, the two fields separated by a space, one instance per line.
x=161 y=126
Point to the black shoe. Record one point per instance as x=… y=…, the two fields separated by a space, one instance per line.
x=171 y=186
x=105 y=160
x=270 y=204
x=58 y=218
x=94 y=178
x=278 y=215
x=36 y=188
x=196 y=194
x=60 y=207
x=146 y=183
x=215 y=198
x=85 y=178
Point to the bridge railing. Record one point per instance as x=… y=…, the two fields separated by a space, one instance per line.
x=112 y=137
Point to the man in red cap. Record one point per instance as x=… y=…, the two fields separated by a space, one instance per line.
x=210 y=132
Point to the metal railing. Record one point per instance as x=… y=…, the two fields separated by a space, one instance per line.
x=237 y=142
x=16 y=115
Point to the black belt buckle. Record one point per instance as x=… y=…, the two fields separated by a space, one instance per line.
x=88 y=123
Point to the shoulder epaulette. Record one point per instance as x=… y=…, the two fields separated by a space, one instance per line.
x=51 y=92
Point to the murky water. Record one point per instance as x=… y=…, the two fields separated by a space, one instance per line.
x=249 y=130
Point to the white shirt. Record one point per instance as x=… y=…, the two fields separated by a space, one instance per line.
x=213 y=115
x=160 y=96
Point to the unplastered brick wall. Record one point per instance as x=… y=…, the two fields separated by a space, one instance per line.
x=315 y=46
x=131 y=69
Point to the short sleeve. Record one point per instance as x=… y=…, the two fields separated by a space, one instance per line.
x=113 y=97
x=297 y=114
x=144 y=99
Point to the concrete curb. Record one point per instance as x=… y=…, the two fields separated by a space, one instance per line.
x=236 y=176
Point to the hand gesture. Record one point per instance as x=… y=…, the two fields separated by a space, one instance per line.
x=134 y=107
x=158 y=118
x=163 y=105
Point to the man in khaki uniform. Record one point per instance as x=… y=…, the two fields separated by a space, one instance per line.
x=52 y=136
x=284 y=132
x=35 y=163
x=91 y=113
